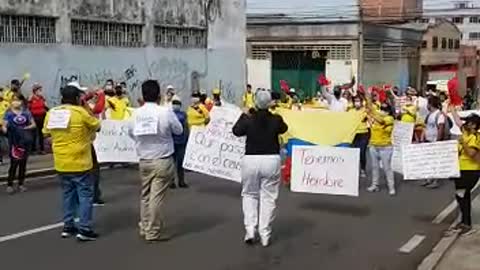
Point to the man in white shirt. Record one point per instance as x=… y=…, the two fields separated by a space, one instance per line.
x=336 y=102
x=436 y=123
x=152 y=129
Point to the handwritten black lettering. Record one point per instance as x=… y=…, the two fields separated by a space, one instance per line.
x=322 y=181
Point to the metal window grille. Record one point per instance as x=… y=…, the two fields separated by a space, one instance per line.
x=387 y=52
x=334 y=51
x=180 y=37
x=94 y=33
x=27 y=29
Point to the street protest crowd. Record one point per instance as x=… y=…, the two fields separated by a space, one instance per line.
x=162 y=128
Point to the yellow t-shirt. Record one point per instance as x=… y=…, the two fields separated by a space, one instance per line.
x=197 y=116
x=4 y=105
x=118 y=108
x=363 y=126
x=466 y=162
x=8 y=95
x=410 y=114
x=248 y=100
x=126 y=100
x=72 y=146
x=382 y=133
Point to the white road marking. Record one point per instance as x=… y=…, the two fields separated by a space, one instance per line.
x=30 y=232
x=449 y=209
x=412 y=243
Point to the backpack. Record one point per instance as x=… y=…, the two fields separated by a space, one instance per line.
x=448 y=125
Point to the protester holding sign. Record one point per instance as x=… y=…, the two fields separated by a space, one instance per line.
x=438 y=129
x=153 y=126
x=381 y=149
x=260 y=167
x=72 y=127
x=469 y=151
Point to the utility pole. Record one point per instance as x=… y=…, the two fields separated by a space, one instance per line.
x=360 y=43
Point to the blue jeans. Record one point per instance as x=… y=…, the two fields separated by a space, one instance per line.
x=77 y=191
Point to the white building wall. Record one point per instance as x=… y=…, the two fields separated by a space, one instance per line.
x=259 y=73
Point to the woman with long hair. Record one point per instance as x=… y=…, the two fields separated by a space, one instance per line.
x=260 y=167
x=468 y=154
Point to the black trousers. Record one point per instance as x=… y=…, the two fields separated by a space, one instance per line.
x=15 y=164
x=466 y=182
x=361 y=141
x=97 y=193
x=38 y=134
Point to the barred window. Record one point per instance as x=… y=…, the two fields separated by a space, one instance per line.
x=180 y=37
x=27 y=29
x=94 y=33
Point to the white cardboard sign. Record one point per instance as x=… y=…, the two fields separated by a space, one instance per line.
x=402 y=135
x=325 y=170
x=437 y=160
x=214 y=150
x=113 y=143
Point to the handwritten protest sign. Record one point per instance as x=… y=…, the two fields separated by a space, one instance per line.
x=402 y=135
x=430 y=160
x=214 y=150
x=113 y=144
x=325 y=170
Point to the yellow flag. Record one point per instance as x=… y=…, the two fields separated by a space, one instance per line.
x=321 y=127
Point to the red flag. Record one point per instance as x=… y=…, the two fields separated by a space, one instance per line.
x=284 y=86
x=453 y=86
x=361 y=89
x=382 y=95
x=322 y=80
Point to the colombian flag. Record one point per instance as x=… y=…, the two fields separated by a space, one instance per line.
x=317 y=128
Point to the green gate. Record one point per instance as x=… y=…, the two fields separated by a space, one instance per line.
x=299 y=69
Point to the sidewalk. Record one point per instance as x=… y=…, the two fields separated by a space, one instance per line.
x=465 y=253
x=36 y=164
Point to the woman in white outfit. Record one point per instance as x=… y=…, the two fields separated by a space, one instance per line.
x=261 y=167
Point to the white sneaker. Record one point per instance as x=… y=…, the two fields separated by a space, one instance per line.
x=265 y=242
x=363 y=174
x=10 y=190
x=373 y=189
x=392 y=192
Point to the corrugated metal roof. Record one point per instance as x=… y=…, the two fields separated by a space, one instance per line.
x=304 y=10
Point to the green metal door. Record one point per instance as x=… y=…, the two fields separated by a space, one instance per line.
x=299 y=69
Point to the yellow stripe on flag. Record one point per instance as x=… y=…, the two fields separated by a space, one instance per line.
x=322 y=127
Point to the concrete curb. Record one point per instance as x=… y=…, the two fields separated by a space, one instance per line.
x=435 y=257
x=443 y=246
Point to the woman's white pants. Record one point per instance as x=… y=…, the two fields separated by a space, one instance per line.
x=260 y=187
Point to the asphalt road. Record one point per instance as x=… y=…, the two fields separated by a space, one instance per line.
x=311 y=231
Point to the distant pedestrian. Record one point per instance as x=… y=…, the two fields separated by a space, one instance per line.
x=18 y=125
x=260 y=167
x=38 y=108
x=72 y=127
x=180 y=142
x=153 y=126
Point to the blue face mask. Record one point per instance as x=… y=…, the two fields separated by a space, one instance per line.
x=176 y=107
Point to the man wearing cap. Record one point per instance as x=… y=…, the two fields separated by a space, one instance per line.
x=98 y=110
x=72 y=127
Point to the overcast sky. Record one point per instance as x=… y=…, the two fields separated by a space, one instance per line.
x=327 y=7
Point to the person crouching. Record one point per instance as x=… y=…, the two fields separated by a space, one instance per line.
x=260 y=167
